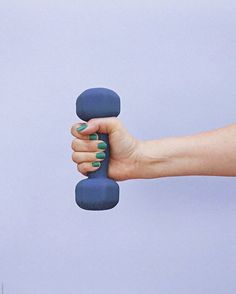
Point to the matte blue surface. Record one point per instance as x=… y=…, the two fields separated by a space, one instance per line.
x=98 y=192
x=97 y=102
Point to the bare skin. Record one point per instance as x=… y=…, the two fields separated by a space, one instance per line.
x=210 y=153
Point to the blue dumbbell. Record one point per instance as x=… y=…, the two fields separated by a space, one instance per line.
x=98 y=192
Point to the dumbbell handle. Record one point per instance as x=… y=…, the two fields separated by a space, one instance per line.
x=102 y=171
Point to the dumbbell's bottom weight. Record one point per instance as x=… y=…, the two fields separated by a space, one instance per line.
x=97 y=194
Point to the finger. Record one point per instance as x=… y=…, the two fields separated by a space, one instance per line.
x=87 y=167
x=75 y=131
x=79 y=157
x=88 y=146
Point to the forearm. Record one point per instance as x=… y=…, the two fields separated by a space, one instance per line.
x=209 y=153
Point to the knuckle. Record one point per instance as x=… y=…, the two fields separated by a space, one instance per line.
x=73 y=129
x=73 y=156
x=74 y=144
x=92 y=120
x=79 y=168
x=115 y=121
x=82 y=168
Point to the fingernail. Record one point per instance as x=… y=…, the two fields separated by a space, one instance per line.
x=82 y=127
x=93 y=137
x=96 y=164
x=100 y=155
x=102 y=145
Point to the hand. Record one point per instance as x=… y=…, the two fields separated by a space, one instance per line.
x=89 y=151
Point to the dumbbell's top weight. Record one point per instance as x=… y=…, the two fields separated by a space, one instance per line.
x=97 y=102
x=98 y=192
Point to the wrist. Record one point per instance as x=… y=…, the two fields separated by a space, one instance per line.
x=168 y=157
x=152 y=159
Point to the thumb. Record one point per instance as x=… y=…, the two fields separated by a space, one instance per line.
x=105 y=125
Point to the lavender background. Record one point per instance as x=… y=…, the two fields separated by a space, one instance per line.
x=174 y=65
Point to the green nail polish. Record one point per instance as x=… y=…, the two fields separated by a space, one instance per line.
x=100 y=155
x=93 y=137
x=82 y=127
x=96 y=164
x=102 y=145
